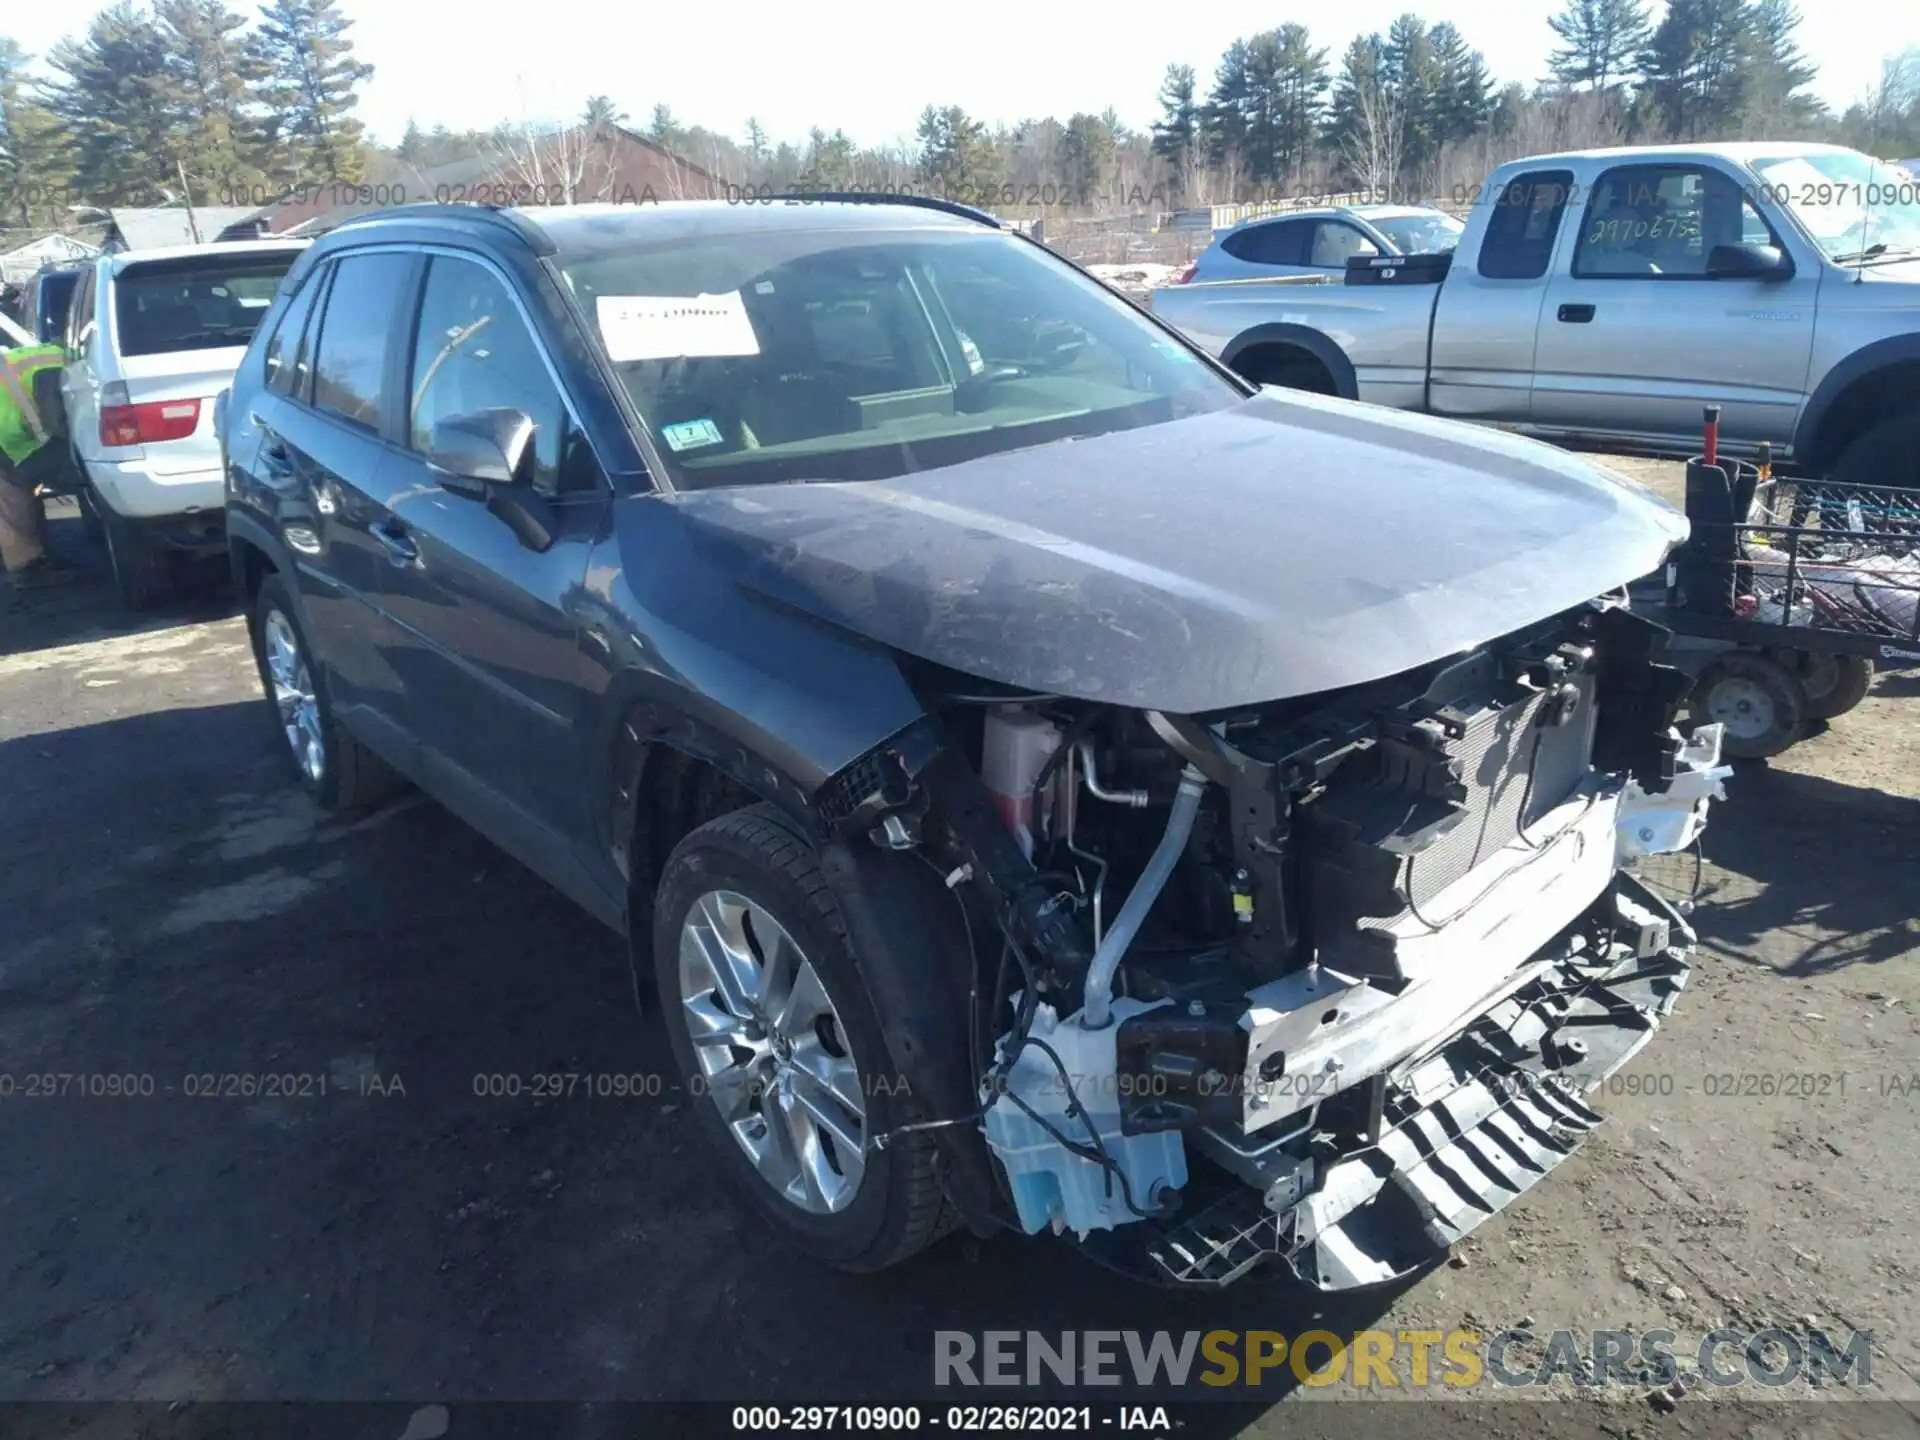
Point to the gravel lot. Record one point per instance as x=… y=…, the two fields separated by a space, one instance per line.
x=170 y=907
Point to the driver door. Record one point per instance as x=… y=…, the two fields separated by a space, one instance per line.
x=496 y=693
x=1635 y=339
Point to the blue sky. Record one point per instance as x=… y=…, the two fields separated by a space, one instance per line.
x=869 y=66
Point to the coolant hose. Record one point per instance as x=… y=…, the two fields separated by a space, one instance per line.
x=1095 y=1013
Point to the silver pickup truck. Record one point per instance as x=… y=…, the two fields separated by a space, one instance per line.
x=1603 y=297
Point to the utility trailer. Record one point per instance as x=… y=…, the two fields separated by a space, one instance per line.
x=1786 y=597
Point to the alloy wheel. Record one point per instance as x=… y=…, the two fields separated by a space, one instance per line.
x=772 y=1052
x=293 y=695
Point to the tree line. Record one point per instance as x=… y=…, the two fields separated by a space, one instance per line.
x=185 y=99
x=190 y=97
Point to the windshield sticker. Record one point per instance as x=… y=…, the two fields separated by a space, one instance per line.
x=674 y=327
x=690 y=435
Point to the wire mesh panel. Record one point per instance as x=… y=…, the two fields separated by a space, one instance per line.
x=1810 y=555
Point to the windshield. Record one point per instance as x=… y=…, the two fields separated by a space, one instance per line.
x=836 y=354
x=1850 y=203
x=1434 y=234
x=197 y=302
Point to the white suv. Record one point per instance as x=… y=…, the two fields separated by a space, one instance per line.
x=153 y=337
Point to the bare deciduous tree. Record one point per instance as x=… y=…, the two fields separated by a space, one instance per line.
x=1376 y=151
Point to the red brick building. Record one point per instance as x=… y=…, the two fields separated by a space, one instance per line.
x=581 y=165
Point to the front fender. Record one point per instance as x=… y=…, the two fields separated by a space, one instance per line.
x=688 y=656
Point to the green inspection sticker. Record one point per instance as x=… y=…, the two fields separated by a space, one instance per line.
x=690 y=435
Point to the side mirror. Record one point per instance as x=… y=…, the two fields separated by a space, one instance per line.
x=469 y=453
x=1748 y=262
x=482 y=455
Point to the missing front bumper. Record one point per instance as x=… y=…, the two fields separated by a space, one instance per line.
x=1461 y=1133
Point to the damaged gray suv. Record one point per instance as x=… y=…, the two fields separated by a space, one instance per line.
x=1052 y=784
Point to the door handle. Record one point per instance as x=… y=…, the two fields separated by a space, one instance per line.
x=1576 y=314
x=399 y=545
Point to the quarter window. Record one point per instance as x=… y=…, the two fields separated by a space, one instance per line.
x=1334 y=243
x=287 y=360
x=362 y=305
x=1284 y=243
x=1650 y=222
x=1525 y=222
x=473 y=351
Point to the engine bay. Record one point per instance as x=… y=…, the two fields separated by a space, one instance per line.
x=1213 y=959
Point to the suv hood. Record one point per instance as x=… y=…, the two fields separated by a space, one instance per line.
x=1287 y=545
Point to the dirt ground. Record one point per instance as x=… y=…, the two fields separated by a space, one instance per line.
x=172 y=910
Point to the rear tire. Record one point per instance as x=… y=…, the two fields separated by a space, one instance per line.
x=334 y=768
x=750 y=880
x=90 y=522
x=142 y=568
x=1759 y=701
x=1834 y=684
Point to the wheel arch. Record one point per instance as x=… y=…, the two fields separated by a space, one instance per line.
x=1850 y=392
x=1314 y=343
x=253 y=553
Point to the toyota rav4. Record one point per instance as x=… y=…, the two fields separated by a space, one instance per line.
x=1051 y=783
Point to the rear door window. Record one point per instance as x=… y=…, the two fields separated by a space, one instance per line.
x=1525 y=222
x=197 y=302
x=364 y=306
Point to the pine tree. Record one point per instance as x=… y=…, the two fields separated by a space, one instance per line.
x=601 y=110
x=215 y=140
x=831 y=160
x=1777 y=72
x=1411 y=71
x=306 y=79
x=756 y=141
x=663 y=128
x=1603 y=42
x=1286 y=83
x=1086 y=158
x=111 y=101
x=1463 y=93
x=1225 y=116
x=1695 y=81
x=1301 y=103
x=34 y=165
x=956 y=153
x=1176 y=133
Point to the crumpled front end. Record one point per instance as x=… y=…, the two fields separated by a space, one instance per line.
x=1454 y=1137
x=1324 y=980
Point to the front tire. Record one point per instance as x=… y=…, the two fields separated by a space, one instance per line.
x=336 y=769
x=780 y=1049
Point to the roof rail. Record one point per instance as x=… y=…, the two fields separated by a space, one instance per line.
x=874 y=197
x=506 y=216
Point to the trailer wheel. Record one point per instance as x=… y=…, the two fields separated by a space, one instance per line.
x=1834 y=684
x=1760 y=702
